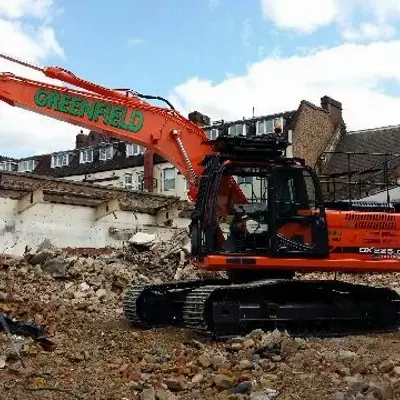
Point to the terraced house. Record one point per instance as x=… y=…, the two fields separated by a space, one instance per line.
x=98 y=159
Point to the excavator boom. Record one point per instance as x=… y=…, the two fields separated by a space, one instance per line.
x=161 y=130
x=123 y=116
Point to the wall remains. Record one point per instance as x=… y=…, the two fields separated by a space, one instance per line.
x=77 y=215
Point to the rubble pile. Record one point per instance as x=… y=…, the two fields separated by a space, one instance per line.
x=160 y=261
x=85 y=282
x=77 y=299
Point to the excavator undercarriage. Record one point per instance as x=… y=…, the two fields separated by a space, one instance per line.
x=222 y=309
x=263 y=294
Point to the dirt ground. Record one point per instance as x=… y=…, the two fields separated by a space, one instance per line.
x=99 y=356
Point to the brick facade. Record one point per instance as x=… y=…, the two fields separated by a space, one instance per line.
x=315 y=129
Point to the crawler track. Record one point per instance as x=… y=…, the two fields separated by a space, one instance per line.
x=220 y=309
x=148 y=306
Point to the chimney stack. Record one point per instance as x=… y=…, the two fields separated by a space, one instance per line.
x=334 y=108
x=199 y=119
x=81 y=140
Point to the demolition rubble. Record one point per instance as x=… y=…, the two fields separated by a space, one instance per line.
x=77 y=299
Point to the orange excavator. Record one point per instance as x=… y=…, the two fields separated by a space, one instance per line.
x=258 y=215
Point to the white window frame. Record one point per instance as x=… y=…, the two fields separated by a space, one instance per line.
x=233 y=129
x=166 y=185
x=245 y=180
x=85 y=156
x=280 y=120
x=139 y=180
x=8 y=166
x=133 y=149
x=128 y=183
x=264 y=123
x=59 y=160
x=106 y=153
x=212 y=133
x=27 y=165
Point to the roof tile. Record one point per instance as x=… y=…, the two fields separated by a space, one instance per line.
x=384 y=140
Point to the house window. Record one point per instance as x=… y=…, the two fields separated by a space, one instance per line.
x=8 y=166
x=169 y=179
x=134 y=149
x=245 y=180
x=86 y=156
x=128 y=181
x=59 y=160
x=237 y=129
x=278 y=123
x=265 y=126
x=212 y=134
x=26 y=165
x=133 y=181
x=268 y=125
x=139 y=181
x=106 y=153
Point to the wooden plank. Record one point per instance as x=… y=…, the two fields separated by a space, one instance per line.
x=71 y=200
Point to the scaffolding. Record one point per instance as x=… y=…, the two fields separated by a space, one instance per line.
x=354 y=184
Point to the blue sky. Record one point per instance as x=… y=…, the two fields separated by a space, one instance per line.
x=220 y=57
x=154 y=45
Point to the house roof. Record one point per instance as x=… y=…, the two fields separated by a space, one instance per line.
x=16 y=185
x=373 y=143
x=4 y=158
x=288 y=115
x=119 y=161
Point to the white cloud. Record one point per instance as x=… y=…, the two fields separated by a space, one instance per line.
x=350 y=73
x=308 y=15
x=305 y=15
x=21 y=8
x=23 y=133
x=368 y=31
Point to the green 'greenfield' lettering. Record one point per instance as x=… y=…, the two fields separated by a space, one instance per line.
x=116 y=116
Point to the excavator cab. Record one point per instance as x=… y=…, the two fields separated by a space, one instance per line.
x=281 y=212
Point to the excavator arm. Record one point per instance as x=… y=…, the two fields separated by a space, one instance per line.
x=118 y=114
